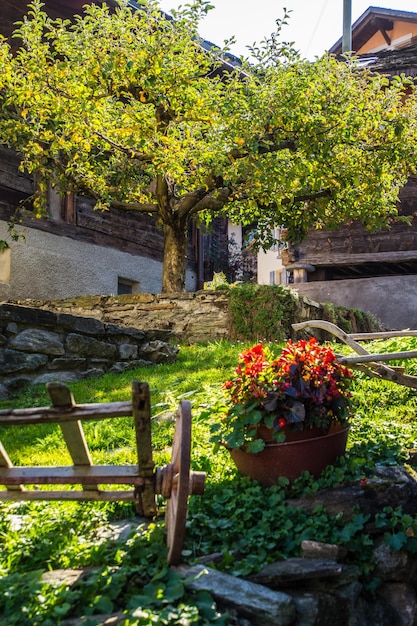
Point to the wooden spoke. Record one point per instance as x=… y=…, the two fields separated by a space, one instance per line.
x=176 y=512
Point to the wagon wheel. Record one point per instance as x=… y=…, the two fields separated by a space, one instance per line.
x=176 y=511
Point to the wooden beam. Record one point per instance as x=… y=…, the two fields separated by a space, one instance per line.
x=371 y=358
x=383 y=26
x=71 y=475
x=383 y=335
x=48 y=415
x=69 y=495
x=356 y=259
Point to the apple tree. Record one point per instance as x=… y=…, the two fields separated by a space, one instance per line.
x=129 y=108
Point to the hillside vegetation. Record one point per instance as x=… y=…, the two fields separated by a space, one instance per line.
x=234 y=514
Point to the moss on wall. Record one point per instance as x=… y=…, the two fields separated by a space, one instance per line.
x=266 y=312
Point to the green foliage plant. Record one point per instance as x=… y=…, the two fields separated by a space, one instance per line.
x=128 y=108
x=262 y=312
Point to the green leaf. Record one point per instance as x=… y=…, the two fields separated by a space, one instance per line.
x=255 y=446
x=397 y=541
x=103 y=604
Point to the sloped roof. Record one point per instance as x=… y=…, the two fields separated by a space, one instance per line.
x=393 y=62
x=373 y=20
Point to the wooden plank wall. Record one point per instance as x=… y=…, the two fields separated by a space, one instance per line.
x=322 y=245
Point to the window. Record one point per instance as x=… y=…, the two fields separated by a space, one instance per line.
x=125 y=286
x=275 y=277
x=280 y=243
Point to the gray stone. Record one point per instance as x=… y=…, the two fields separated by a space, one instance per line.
x=127 y=351
x=68 y=577
x=4 y=393
x=375 y=612
x=260 y=605
x=61 y=377
x=123 y=366
x=37 y=340
x=157 y=334
x=32 y=353
x=14 y=361
x=297 y=569
x=320 y=608
x=351 y=593
x=119 y=368
x=89 y=347
x=134 y=333
x=392 y=486
x=390 y=564
x=87 y=325
x=159 y=352
x=402 y=599
x=68 y=363
x=319 y=550
x=122 y=530
x=15 y=383
x=93 y=372
x=28 y=315
x=307 y=607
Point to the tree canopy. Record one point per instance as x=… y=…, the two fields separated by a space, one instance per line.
x=129 y=108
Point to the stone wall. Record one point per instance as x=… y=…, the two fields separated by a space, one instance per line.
x=192 y=317
x=38 y=346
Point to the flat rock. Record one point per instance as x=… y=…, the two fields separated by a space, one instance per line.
x=258 y=604
x=296 y=570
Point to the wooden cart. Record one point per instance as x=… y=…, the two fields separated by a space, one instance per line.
x=175 y=481
x=372 y=364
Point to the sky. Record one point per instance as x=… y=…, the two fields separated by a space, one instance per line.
x=314 y=25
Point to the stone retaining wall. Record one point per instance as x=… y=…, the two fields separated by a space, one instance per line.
x=193 y=317
x=38 y=346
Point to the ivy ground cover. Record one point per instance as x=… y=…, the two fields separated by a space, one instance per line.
x=235 y=515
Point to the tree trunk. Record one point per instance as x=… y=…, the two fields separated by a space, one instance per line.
x=175 y=258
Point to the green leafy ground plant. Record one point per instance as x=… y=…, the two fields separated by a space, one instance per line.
x=248 y=525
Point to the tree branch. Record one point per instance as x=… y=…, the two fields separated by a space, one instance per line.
x=144 y=158
x=213 y=201
x=287 y=144
x=81 y=185
x=135 y=206
x=323 y=193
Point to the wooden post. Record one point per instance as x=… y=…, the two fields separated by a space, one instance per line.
x=141 y=408
x=61 y=397
x=6 y=462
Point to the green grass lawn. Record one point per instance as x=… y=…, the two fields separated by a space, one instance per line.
x=234 y=515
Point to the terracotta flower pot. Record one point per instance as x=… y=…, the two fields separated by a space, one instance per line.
x=291 y=458
x=265 y=433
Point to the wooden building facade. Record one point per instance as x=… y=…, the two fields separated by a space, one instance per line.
x=77 y=250
x=351 y=266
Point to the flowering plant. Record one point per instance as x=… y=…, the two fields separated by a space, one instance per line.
x=304 y=387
